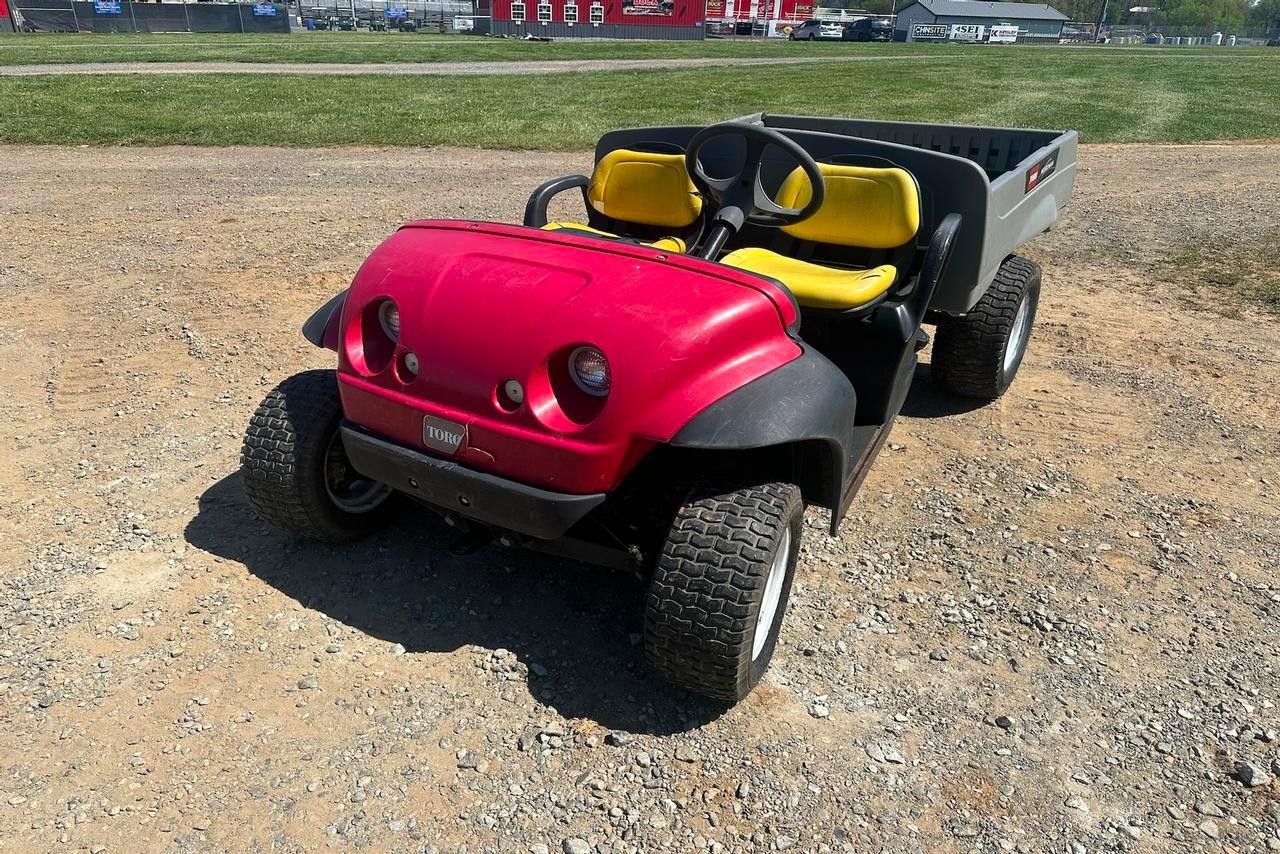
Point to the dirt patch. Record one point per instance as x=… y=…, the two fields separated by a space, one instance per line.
x=1049 y=622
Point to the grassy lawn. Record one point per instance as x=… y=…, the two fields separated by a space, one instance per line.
x=388 y=47
x=1108 y=97
x=303 y=47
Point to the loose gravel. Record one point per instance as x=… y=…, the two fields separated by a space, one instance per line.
x=1049 y=624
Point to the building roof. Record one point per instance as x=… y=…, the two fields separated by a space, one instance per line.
x=979 y=9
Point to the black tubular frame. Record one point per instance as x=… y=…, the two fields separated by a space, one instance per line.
x=535 y=212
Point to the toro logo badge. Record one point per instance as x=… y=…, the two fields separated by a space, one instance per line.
x=1042 y=170
x=441 y=435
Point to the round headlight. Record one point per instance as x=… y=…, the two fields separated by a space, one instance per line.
x=389 y=319
x=590 y=371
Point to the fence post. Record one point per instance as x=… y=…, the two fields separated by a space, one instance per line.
x=75 y=19
x=133 y=19
x=186 y=15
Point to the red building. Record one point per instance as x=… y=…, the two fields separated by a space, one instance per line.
x=600 y=19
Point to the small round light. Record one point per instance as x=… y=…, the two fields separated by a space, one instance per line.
x=389 y=319
x=411 y=363
x=514 y=392
x=590 y=371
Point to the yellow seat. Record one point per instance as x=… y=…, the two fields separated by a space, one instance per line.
x=667 y=244
x=648 y=189
x=867 y=207
x=814 y=285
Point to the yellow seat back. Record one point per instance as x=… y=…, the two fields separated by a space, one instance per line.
x=644 y=187
x=869 y=207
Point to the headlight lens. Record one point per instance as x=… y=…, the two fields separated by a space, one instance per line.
x=590 y=371
x=389 y=319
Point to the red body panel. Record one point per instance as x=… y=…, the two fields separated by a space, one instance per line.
x=483 y=303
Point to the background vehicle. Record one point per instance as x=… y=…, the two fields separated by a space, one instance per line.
x=868 y=30
x=814 y=29
x=662 y=388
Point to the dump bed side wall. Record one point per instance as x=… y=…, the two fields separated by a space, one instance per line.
x=995 y=150
x=1025 y=202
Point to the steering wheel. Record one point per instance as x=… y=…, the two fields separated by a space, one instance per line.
x=742 y=198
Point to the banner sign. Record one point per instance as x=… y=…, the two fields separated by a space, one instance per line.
x=967 y=32
x=4 y=9
x=265 y=10
x=107 y=7
x=397 y=12
x=1003 y=34
x=922 y=32
x=664 y=8
x=778 y=29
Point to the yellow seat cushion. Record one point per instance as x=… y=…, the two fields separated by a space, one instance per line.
x=876 y=208
x=667 y=244
x=644 y=187
x=813 y=285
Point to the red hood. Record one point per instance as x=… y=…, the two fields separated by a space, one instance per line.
x=481 y=304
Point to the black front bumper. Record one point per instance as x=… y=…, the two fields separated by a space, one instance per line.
x=474 y=494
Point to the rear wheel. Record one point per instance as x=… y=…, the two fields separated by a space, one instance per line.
x=295 y=469
x=721 y=587
x=979 y=354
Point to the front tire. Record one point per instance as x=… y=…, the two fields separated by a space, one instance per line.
x=295 y=469
x=721 y=587
x=979 y=354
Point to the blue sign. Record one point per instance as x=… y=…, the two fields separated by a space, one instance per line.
x=266 y=10
x=397 y=12
x=107 y=7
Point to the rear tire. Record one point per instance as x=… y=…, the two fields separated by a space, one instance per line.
x=979 y=354
x=295 y=470
x=721 y=587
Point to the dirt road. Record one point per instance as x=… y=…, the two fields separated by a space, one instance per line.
x=1050 y=624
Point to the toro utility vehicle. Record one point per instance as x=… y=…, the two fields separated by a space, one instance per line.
x=724 y=337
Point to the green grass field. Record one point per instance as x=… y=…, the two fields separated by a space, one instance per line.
x=301 y=47
x=388 y=47
x=1108 y=96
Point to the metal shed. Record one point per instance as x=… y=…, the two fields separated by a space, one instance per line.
x=1035 y=21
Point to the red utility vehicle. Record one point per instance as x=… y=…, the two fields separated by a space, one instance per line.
x=663 y=387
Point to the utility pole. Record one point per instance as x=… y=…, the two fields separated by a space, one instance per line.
x=1097 y=27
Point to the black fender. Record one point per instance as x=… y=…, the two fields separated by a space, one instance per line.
x=317 y=328
x=808 y=400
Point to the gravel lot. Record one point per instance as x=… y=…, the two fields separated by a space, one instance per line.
x=1050 y=624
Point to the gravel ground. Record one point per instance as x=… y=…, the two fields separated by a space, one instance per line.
x=1050 y=624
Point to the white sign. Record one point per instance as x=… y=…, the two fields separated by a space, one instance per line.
x=967 y=32
x=1003 y=35
x=919 y=32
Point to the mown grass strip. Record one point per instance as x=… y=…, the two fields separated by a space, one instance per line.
x=1103 y=98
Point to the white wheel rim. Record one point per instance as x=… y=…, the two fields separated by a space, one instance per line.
x=772 y=594
x=1017 y=336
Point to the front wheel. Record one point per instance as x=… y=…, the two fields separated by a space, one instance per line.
x=721 y=586
x=979 y=354
x=295 y=469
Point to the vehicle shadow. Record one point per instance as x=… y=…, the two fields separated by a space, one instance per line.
x=927 y=399
x=576 y=627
